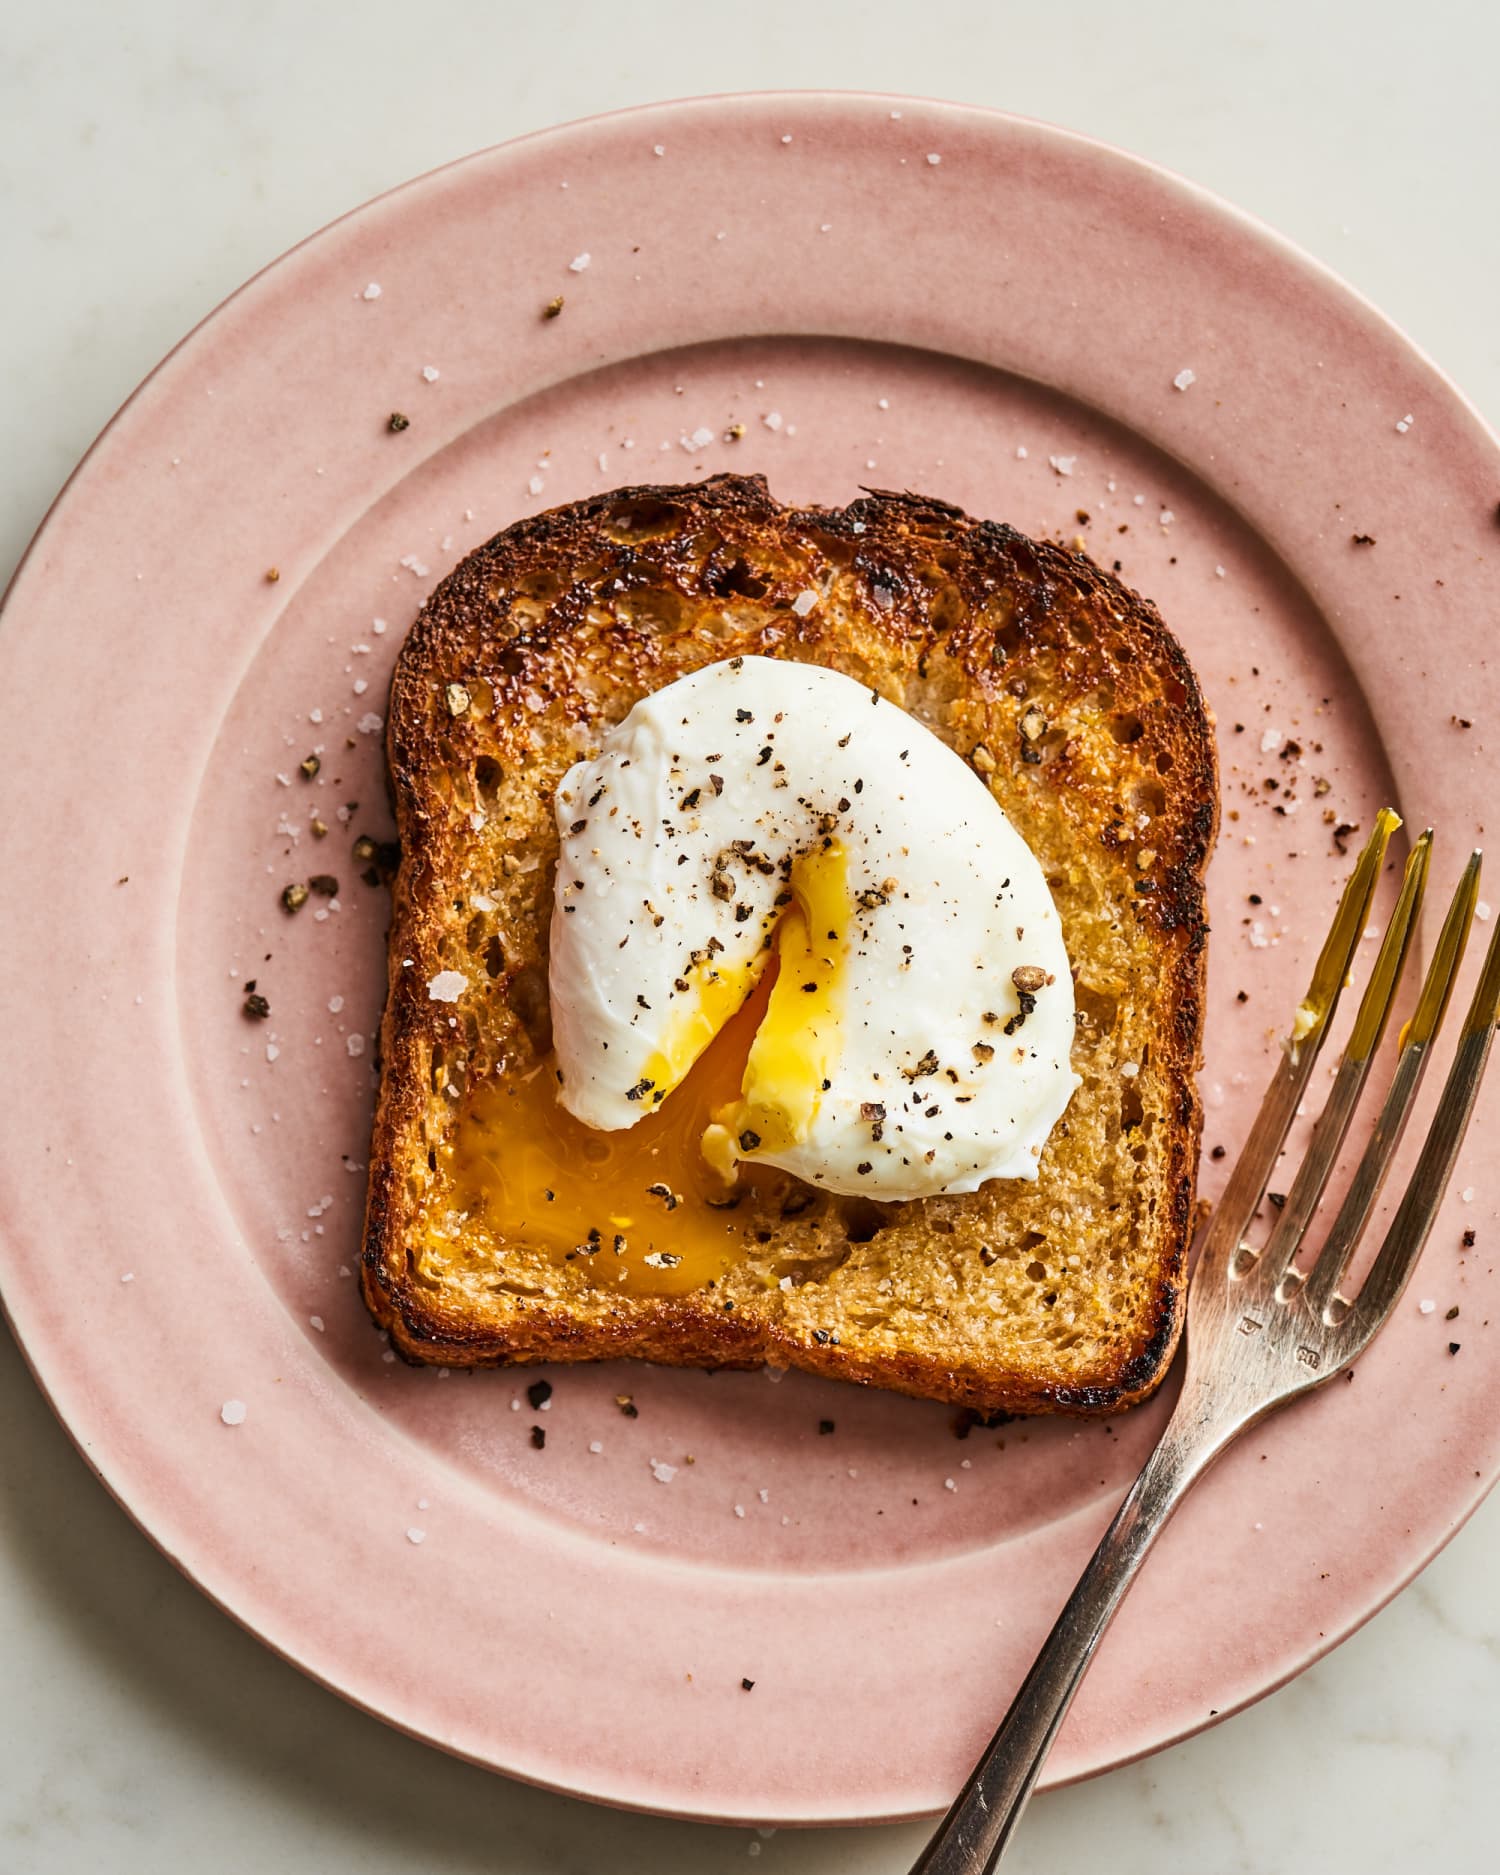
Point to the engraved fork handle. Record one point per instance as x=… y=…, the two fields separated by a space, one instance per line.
x=972 y=1837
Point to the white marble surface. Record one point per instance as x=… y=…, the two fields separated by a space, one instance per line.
x=152 y=157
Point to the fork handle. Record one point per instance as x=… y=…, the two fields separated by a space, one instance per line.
x=972 y=1837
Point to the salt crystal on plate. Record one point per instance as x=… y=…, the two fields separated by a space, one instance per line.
x=658 y=149
x=1426 y=1305
x=787 y=137
x=1272 y=739
x=416 y=1535
x=368 y=724
x=662 y=1471
x=934 y=158
x=1063 y=464
x=804 y=603
x=355 y=1045
x=377 y=624
x=595 y=1445
x=1406 y=422
x=950 y=1484
x=372 y=291
x=536 y=485
x=447 y=986
x=739 y=1510
x=1021 y=452
x=1185 y=377
x=417 y=568
x=700 y=438
x=1482 y=912
x=335 y=1004
x=232 y=1412
x=1467 y=1194
x=431 y=373
x=579 y=262
x=772 y=419
x=316 y=1321
x=128 y=1277
x=272 y=1051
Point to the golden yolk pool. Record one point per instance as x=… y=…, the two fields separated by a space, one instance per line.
x=642 y=1209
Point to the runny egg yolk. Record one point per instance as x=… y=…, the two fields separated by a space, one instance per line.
x=651 y=1209
x=796 y=1046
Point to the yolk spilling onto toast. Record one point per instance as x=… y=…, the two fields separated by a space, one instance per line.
x=651 y=1209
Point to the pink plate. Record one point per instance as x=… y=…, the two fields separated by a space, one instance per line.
x=880 y=291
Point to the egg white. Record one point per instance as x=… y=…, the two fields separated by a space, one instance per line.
x=682 y=843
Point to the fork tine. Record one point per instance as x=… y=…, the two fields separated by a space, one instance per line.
x=1258 y=1159
x=1369 y=1025
x=1416 y=1052
x=1419 y=1206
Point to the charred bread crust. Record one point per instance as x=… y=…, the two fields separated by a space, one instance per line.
x=523 y=610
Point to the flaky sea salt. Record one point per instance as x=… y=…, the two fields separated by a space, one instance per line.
x=1185 y=377
x=579 y=262
x=416 y=1535
x=370 y=723
x=804 y=602
x=431 y=373
x=662 y=1472
x=232 y=1412
x=1063 y=464
x=934 y=158
x=447 y=986
x=355 y=1044
x=372 y=291
x=536 y=485
x=772 y=419
x=1426 y=1305
x=1271 y=739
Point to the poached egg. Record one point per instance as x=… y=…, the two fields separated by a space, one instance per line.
x=773 y=835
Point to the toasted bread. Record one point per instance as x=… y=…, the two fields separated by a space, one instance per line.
x=1063 y=1294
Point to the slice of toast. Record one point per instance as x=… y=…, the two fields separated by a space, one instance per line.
x=1062 y=689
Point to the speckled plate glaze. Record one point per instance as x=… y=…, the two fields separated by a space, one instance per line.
x=879 y=291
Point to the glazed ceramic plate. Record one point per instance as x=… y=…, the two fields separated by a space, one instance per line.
x=880 y=292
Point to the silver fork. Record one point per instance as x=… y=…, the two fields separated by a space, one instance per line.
x=1260 y=1330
